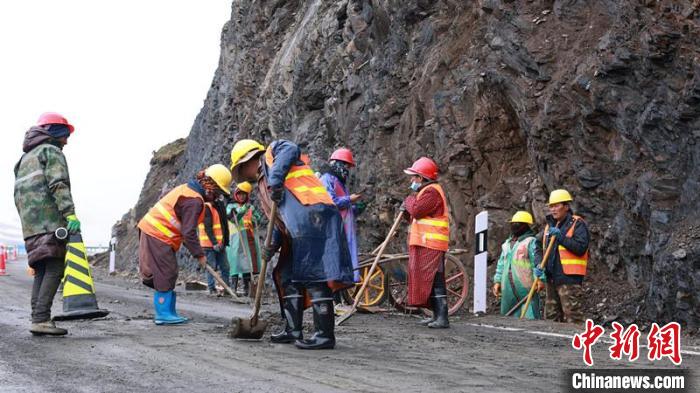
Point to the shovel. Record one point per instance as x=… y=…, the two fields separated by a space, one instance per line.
x=380 y=251
x=253 y=328
x=537 y=279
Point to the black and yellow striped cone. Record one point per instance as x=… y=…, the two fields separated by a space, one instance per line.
x=79 y=301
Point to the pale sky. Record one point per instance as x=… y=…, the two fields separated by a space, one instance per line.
x=130 y=75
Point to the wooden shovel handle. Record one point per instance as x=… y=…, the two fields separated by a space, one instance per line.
x=372 y=268
x=537 y=279
x=221 y=282
x=263 y=266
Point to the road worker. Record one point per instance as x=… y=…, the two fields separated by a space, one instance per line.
x=173 y=221
x=518 y=266
x=566 y=265
x=428 y=239
x=212 y=237
x=244 y=248
x=314 y=259
x=44 y=203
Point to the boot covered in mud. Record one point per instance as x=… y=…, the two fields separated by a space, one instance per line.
x=324 y=320
x=234 y=284
x=47 y=328
x=246 y=284
x=293 y=314
x=440 y=310
x=173 y=307
x=427 y=321
x=163 y=306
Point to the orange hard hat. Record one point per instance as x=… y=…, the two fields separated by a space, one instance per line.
x=343 y=154
x=54 y=118
x=425 y=167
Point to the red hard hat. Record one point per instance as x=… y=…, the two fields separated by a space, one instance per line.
x=53 y=118
x=425 y=167
x=343 y=154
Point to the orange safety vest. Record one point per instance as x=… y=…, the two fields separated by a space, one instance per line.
x=303 y=183
x=204 y=240
x=431 y=232
x=162 y=223
x=570 y=262
x=248 y=219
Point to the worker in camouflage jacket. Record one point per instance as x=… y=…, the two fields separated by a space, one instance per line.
x=44 y=202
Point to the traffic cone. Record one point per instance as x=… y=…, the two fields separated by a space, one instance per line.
x=79 y=301
x=3 y=272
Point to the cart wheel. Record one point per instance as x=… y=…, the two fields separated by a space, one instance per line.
x=375 y=293
x=397 y=273
x=456 y=280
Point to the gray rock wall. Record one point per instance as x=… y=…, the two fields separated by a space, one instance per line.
x=512 y=99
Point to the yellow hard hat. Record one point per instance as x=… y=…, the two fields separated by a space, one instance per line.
x=243 y=151
x=245 y=187
x=522 y=216
x=221 y=176
x=559 y=196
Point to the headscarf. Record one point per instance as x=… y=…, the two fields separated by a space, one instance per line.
x=211 y=189
x=340 y=170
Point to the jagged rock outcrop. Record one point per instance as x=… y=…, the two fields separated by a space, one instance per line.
x=512 y=99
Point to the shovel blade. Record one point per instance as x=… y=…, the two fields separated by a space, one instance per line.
x=344 y=317
x=243 y=329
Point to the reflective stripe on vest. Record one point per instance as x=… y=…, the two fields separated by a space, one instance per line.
x=431 y=232
x=303 y=183
x=570 y=262
x=162 y=223
x=248 y=219
x=204 y=240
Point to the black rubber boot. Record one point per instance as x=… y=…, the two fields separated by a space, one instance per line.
x=426 y=321
x=324 y=320
x=293 y=315
x=246 y=284
x=234 y=284
x=440 y=310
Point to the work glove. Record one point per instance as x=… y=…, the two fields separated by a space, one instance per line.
x=267 y=253
x=73 y=224
x=277 y=194
x=554 y=231
x=217 y=247
x=361 y=206
x=539 y=273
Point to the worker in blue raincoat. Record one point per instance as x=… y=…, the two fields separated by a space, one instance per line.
x=335 y=181
x=314 y=257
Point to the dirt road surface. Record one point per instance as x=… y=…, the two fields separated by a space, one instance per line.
x=126 y=352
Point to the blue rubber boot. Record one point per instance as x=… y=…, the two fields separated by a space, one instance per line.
x=173 y=307
x=162 y=302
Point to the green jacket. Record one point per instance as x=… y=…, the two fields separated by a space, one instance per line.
x=42 y=185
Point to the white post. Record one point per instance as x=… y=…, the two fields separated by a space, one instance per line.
x=481 y=225
x=112 y=248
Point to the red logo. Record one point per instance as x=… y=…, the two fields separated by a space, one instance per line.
x=626 y=342
x=662 y=342
x=665 y=342
x=587 y=339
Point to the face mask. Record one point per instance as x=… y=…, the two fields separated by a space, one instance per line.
x=415 y=186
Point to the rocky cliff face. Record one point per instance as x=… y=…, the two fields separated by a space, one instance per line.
x=511 y=98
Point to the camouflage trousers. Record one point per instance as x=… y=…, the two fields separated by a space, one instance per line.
x=563 y=303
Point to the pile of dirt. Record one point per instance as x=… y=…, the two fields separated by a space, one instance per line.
x=512 y=98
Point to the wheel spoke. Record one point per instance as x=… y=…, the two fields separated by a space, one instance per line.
x=454 y=293
x=454 y=277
